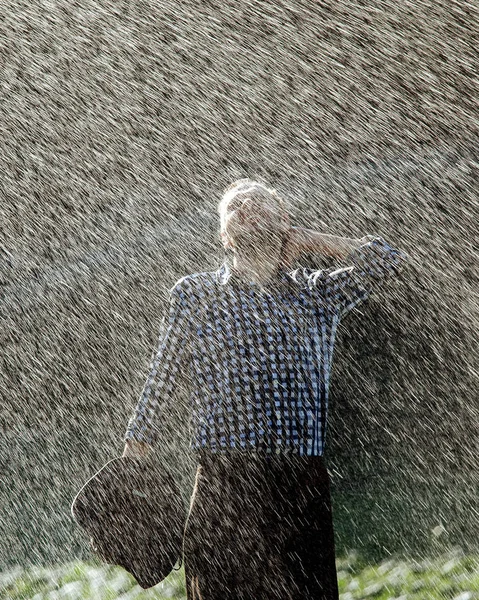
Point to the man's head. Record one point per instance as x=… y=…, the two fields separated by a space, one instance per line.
x=251 y=213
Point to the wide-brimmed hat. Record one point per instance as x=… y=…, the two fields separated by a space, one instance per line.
x=134 y=514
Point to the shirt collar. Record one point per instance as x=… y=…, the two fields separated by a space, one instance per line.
x=227 y=274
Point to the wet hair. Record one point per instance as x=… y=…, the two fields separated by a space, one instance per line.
x=250 y=188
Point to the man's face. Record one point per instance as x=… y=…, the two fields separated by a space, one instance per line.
x=252 y=216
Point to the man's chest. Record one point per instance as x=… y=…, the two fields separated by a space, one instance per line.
x=250 y=317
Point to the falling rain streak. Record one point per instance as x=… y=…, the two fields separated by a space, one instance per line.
x=121 y=124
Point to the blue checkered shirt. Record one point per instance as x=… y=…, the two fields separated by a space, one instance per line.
x=258 y=358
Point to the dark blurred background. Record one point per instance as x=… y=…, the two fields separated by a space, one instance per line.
x=121 y=123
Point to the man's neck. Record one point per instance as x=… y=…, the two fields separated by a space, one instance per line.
x=259 y=267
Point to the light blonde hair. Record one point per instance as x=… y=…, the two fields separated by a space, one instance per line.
x=250 y=188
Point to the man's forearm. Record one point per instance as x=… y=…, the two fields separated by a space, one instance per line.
x=309 y=241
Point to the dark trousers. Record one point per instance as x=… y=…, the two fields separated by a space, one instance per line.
x=260 y=528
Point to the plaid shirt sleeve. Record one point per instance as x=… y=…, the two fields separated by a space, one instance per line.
x=167 y=363
x=369 y=264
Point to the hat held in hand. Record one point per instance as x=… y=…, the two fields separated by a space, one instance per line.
x=133 y=512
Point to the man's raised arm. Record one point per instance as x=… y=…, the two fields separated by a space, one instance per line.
x=365 y=253
x=369 y=260
x=307 y=241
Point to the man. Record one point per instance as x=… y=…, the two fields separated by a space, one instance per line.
x=256 y=340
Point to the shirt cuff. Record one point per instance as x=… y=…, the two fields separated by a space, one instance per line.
x=377 y=258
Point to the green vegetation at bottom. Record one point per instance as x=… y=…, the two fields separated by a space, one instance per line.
x=452 y=576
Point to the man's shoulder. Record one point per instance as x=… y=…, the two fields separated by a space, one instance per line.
x=196 y=284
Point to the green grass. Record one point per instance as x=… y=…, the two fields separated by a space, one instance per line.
x=452 y=576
